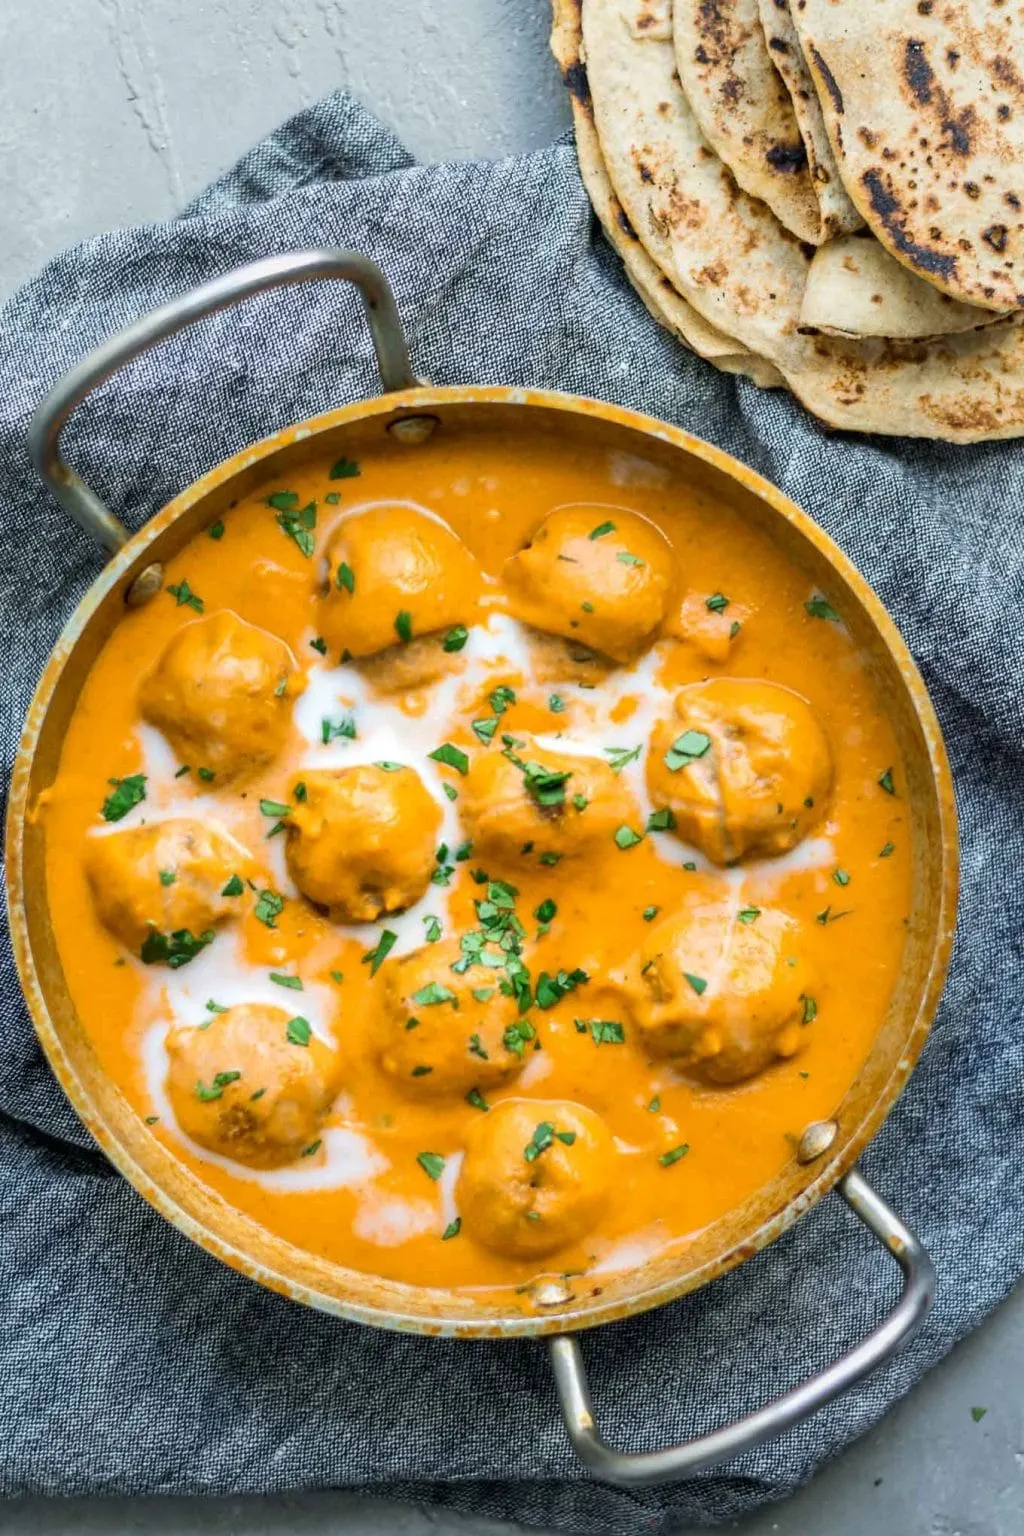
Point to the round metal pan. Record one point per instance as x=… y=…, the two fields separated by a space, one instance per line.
x=824 y=1153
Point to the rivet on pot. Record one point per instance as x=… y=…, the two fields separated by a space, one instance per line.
x=816 y=1139
x=146 y=585
x=550 y=1293
x=412 y=430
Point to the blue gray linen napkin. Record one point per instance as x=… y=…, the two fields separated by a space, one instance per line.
x=130 y=1362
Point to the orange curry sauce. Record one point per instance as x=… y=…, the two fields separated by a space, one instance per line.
x=850 y=903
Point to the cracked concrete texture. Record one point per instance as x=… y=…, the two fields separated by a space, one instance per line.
x=118 y=111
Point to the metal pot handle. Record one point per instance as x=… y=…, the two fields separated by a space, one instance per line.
x=635 y=1470
x=273 y=272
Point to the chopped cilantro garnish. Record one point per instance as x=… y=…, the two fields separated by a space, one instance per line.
x=375 y=957
x=300 y=793
x=284 y=980
x=331 y=730
x=128 y=793
x=234 y=887
x=476 y=1047
x=686 y=749
x=432 y=1164
x=283 y=501
x=625 y=837
x=621 y=757
x=403 y=625
x=886 y=783
x=476 y=1099
x=319 y=644
x=433 y=993
x=600 y=531
x=625 y=558
x=313 y=1147
x=167 y=877
x=343 y=469
x=502 y=698
x=551 y=989
x=298 y=525
x=433 y=929
x=452 y=1229
x=698 y=983
x=219 y=1083
x=517 y=1036
x=818 y=608
x=668 y=1158
x=556 y=704
x=884 y=852
x=214 y=1007
x=549 y=859
x=297 y=1030
x=274 y=808
x=174 y=949
x=810 y=1012
x=216 y=530
x=546 y=911
x=206 y=774
x=485 y=728
x=332 y=498
x=421 y=1071
x=269 y=906
x=661 y=821
x=717 y=602
x=654 y=1106
x=828 y=916
x=841 y=876
x=185 y=597
x=734 y=629
x=604 y=1031
x=456 y=638
x=748 y=914
x=650 y=913
x=345 y=577
x=450 y=791
x=543 y=1136
x=453 y=757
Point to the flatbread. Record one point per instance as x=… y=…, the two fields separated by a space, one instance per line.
x=924 y=105
x=728 y=256
x=855 y=288
x=839 y=216
x=668 y=307
x=743 y=108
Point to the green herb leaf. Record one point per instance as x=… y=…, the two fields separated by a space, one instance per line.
x=433 y=993
x=668 y=1158
x=556 y=704
x=543 y=1136
x=216 y=1089
x=686 y=749
x=626 y=558
x=274 y=808
x=128 y=793
x=332 y=498
x=625 y=837
x=828 y=916
x=343 y=469
x=650 y=913
x=375 y=957
x=331 y=730
x=283 y=501
x=546 y=911
x=403 y=625
x=655 y=1105
x=977 y=1414
x=698 y=983
x=297 y=1031
x=214 y=1007
x=345 y=578
x=269 y=906
x=603 y=1031
x=298 y=526
x=432 y=1164
x=453 y=757
x=319 y=644
x=421 y=1071
x=841 y=877
x=476 y=1048
x=300 y=793
x=284 y=980
x=433 y=929
x=216 y=530
x=600 y=531
x=206 y=774
x=185 y=597
x=173 y=949
x=717 y=602
x=450 y=791
x=748 y=914
x=313 y=1147
x=502 y=698
x=580 y=802
x=886 y=783
x=452 y=1229
x=167 y=877
x=456 y=638
x=889 y=848
x=818 y=608
x=549 y=859
x=810 y=1012
x=517 y=1036
x=734 y=629
x=485 y=728
x=661 y=821
x=476 y=1099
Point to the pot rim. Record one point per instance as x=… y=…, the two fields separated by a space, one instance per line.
x=401 y=405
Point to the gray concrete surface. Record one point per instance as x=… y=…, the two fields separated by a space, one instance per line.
x=116 y=111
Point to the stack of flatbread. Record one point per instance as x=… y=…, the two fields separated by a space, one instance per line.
x=822 y=194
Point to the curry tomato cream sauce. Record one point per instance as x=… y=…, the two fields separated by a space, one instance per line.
x=474 y=865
